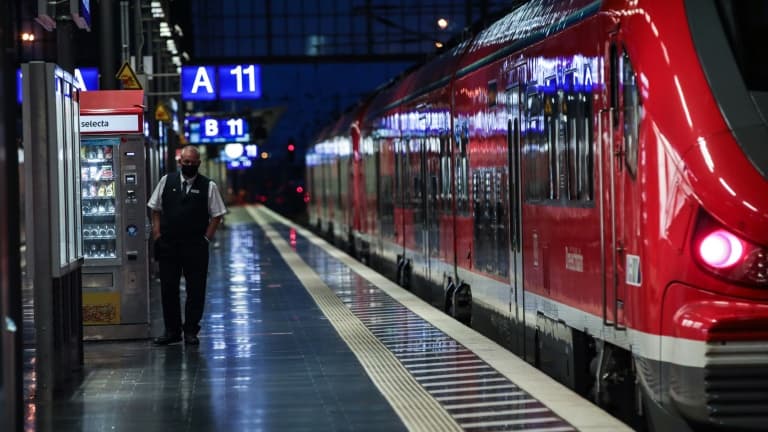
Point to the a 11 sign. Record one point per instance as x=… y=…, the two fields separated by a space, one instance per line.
x=206 y=83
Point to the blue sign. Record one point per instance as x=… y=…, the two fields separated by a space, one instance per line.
x=197 y=83
x=240 y=163
x=86 y=78
x=208 y=130
x=206 y=83
x=240 y=82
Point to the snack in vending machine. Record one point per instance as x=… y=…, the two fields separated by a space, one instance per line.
x=102 y=191
x=110 y=189
x=106 y=172
x=108 y=152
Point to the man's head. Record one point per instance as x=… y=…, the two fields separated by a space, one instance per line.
x=190 y=160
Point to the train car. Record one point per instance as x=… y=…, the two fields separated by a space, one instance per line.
x=586 y=182
x=329 y=167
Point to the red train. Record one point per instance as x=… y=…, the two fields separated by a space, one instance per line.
x=587 y=183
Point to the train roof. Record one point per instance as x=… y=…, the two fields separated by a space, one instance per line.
x=524 y=26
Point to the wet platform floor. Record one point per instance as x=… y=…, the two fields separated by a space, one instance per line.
x=271 y=359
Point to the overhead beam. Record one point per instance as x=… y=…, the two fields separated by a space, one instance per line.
x=302 y=59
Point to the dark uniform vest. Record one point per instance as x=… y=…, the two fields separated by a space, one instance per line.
x=184 y=218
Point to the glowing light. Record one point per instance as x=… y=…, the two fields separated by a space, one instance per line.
x=442 y=23
x=28 y=37
x=438 y=44
x=721 y=249
x=291 y=147
x=233 y=150
x=264 y=155
x=299 y=189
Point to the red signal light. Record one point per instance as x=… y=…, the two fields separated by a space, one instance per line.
x=299 y=189
x=291 y=147
x=721 y=249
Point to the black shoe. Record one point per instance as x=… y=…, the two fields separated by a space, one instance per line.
x=191 y=339
x=167 y=339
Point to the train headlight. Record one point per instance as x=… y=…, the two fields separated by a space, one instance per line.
x=726 y=254
x=721 y=249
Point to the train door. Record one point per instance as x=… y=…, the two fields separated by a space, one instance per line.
x=514 y=188
x=621 y=196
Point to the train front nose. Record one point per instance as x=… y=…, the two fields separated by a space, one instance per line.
x=717 y=368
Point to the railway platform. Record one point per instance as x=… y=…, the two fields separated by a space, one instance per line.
x=298 y=336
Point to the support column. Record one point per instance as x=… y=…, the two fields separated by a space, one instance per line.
x=11 y=380
x=108 y=65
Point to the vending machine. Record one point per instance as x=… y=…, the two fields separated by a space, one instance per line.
x=113 y=181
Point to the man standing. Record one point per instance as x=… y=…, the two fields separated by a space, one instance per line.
x=186 y=210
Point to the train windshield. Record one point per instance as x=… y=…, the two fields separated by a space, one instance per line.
x=744 y=22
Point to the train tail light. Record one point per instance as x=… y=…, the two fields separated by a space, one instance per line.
x=727 y=255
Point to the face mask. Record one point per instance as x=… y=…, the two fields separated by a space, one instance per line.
x=189 y=170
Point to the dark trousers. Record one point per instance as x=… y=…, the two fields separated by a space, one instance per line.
x=191 y=260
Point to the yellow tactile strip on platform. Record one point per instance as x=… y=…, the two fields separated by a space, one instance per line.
x=415 y=406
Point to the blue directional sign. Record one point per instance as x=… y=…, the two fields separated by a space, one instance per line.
x=198 y=83
x=209 y=130
x=205 y=83
x=86 y=78
x=240 y=82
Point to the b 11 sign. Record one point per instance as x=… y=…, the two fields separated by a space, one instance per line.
x=209 y=130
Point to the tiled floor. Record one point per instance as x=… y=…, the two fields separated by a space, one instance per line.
x=271 y=360
x=268 y=360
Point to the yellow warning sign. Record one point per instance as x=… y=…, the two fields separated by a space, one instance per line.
x=161 y=114
x=128 y=78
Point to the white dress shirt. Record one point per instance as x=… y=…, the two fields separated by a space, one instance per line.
x=216 y=205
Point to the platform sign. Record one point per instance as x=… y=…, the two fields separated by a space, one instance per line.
x=86 y=79
x=239 y=82
x=209 y=130
x=206 y=83
x=198 y=83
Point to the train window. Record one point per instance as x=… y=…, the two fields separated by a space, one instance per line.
x=462 y=186
x=462 y=171
x=631 y=115
x=577 y=113
x=614 y=84
x=535 y=148
x=492 y=92
x=445 y=172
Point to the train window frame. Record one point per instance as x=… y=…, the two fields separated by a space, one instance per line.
x=632 y=111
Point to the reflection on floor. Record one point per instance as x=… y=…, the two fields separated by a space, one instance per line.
x=268 y=360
